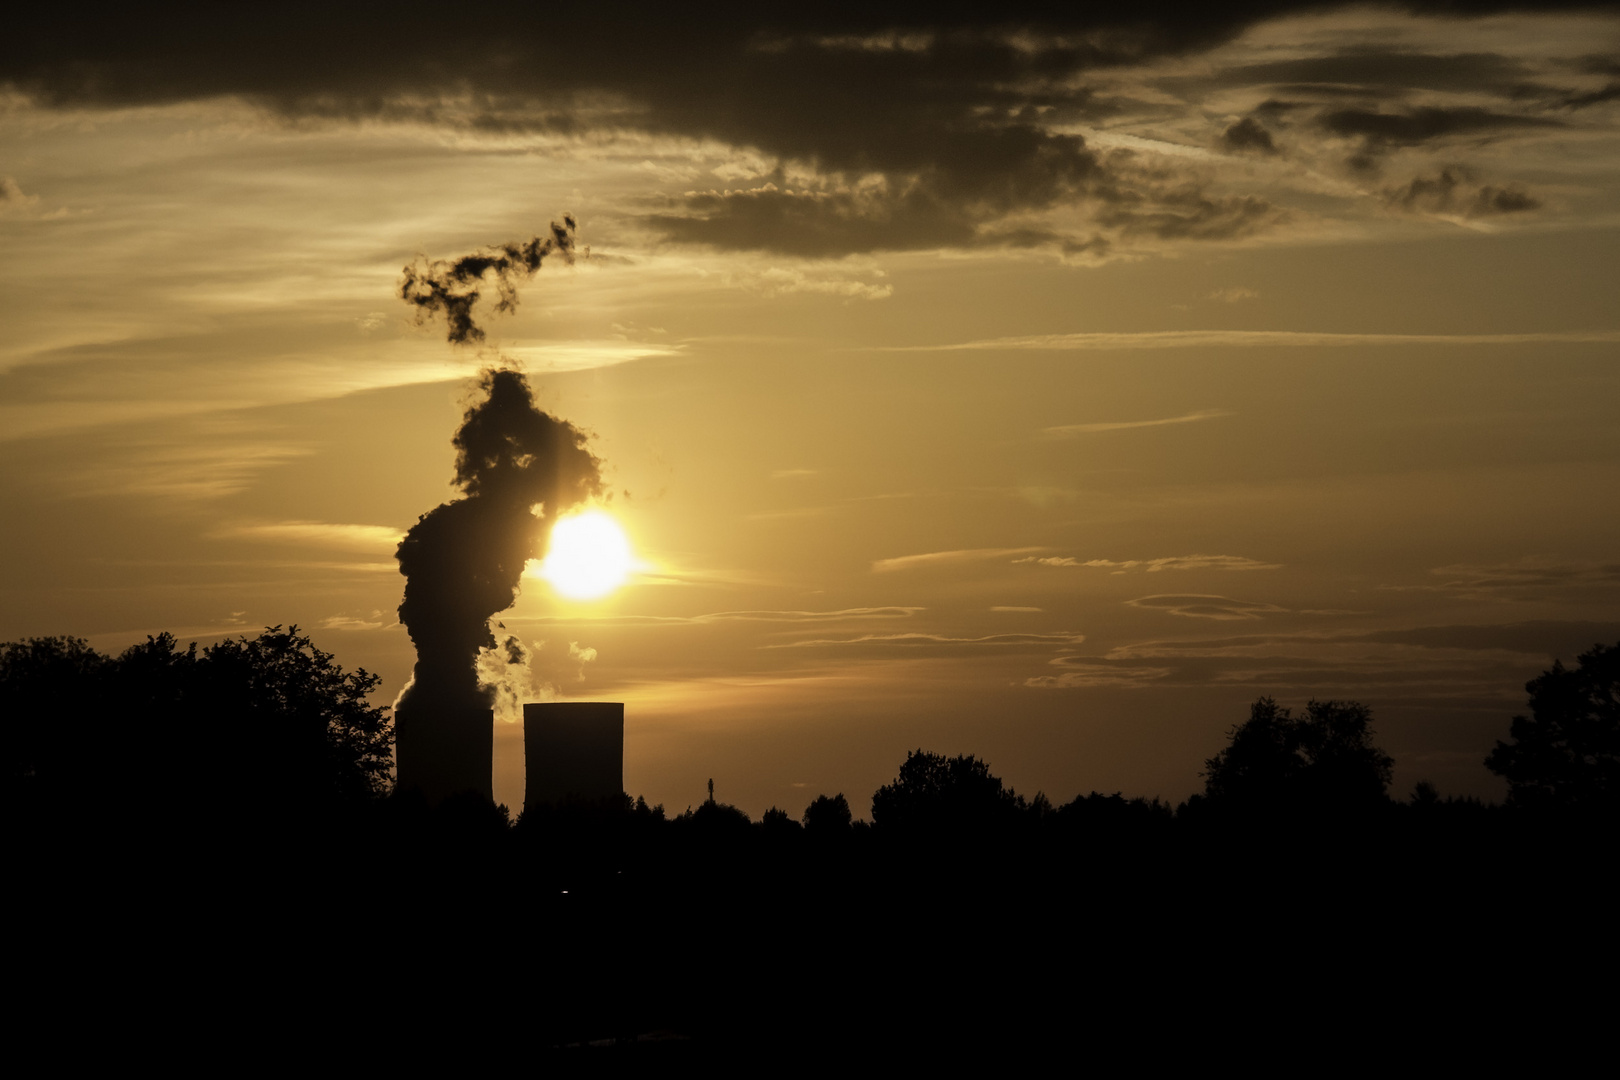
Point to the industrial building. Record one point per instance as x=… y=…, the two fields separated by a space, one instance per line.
x=442 y=752
x=572 y=750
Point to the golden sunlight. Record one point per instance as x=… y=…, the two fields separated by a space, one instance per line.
x=588 y=558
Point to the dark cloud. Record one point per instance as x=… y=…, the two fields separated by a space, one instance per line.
x=518 y=469
x=1376 y=69
x=1477 y=666
x=950 y=107
x=1381 y=132
x=1417 y=126
x=453 y=288
x=1248 y=135
x=1610 y=92
x=1187 y=214
x=1455 y=191
x=922 y=200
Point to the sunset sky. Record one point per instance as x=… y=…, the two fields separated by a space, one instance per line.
x=1046 y=388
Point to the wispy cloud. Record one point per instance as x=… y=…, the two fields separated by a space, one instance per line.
x=1069 y=431
x=377 y=621
x=947 y=558
x=1083 y=672
x=1465 y=664
x=993 y=640
x=321 y=534
x=1015 y=608
x=796 y=512
x=209 y=471
x=584 y=355
x=842 y=615
x=1206 y=606
x=1250 y=339
x=1151 y=566
x=778 y=281
x=1524 y=579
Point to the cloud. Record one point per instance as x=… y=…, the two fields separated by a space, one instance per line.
x=1068 y=431
x=917 y=640
x=842 y=615
x=1481 y=666
x=1011 y=608
x=795 y=512
x=780 y=281
x=13 y=200
x=323 y=534
x=1206 y=606
x=1380 y=132
x=1234 y=294
x=1248 y=136
x=1524 y=579
x=816 y=224
x=1171 y=562
x=1189 y=213
x=1370 y=68
x=947 y=558
x=212 y=469
x=346 y=622
x=1454 y=191
x=1079 y=672
x=1251 y=339
x=585 y=354
x=847 y=129
x=1427 y=124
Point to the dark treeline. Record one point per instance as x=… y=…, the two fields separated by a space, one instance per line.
x=958 y=913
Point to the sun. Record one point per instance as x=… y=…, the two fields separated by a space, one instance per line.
x=588 y=558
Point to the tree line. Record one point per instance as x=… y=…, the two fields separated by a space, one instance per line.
x=272 y=728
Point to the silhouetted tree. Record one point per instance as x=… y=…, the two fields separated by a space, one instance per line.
x=309 y=722
x=934 y=793
x=1324 y=760
x=1566 y=753
x=778 y=822
x=267 y=720
x=828 y=815
x=1112 y=815
x=51 y=693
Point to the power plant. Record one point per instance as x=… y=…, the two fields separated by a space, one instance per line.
x=445 y=751
x=571 y=750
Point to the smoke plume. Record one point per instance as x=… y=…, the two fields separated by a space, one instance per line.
x=452 y=289
x=519 y=469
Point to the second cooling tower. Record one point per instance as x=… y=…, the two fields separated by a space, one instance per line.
x=573 y=750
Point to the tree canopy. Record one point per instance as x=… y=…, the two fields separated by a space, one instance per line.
x=1324 y=760
x=937 y=793
x=1566 y=753
x=269 y=721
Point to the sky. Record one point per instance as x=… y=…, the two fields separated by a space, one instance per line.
x=1040 y=387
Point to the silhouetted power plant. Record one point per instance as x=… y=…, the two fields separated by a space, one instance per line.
x=445 y=752
x=573 y=749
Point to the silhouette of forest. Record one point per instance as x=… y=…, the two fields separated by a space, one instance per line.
x=230 y=809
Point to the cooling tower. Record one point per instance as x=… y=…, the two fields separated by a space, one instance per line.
x=444 y=752
x=573 y=749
